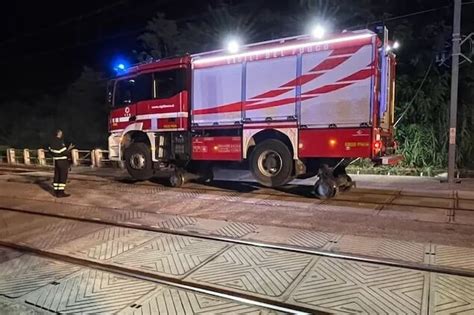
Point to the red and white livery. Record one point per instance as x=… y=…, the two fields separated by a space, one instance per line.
x=289 y=108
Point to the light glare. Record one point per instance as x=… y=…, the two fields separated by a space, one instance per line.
x=285 y=48
x=233 y=46
x=318 y=32
x=396 y=45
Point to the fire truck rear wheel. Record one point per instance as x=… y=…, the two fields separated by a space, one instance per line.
x=177 y=179
x=271 y=163
x=138 y=161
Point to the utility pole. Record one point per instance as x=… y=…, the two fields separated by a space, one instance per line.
x=454 y=90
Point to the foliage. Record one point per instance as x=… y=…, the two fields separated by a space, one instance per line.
x=421 y=146
x=80 y=111
x=159 y=38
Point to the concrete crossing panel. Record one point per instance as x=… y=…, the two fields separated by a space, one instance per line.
x=171 y=255
x=451 y=295
x=106 y=243
x=452 y=256
x=381 y=247
x=168 y=300
x=344 y=287
x=253 y=270
x=27 y=273
x=89 y=292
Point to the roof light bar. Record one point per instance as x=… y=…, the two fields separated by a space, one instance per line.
x=284 y=48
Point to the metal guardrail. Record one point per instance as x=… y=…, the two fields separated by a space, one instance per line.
x=100 y=158
x=41 y=157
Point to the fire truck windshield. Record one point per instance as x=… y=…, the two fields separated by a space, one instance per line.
x=132 y=90
x=157 y=85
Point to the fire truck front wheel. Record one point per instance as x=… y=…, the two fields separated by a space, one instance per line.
x=138 y=161
x=271 y=163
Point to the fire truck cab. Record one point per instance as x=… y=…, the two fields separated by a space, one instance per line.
x=288 y=108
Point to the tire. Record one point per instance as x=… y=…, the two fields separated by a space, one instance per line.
x=177 y=179
x=138 y=161
x=271 y=163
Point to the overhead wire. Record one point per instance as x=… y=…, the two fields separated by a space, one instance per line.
x=415 y=95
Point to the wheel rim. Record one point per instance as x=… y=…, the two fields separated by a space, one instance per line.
x=137 y=161
x=176 y=180
x=270 y=163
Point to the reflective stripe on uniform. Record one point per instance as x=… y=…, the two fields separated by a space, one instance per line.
x=60 y=158
x=58 y=151
x=59 y=186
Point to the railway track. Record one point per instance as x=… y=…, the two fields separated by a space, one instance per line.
x=29 y=245
x=237 y=297
x=379 y=199
x=268 y=245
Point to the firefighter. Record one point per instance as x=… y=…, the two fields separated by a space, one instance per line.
x=61 y=164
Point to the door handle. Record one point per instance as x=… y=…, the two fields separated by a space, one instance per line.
x=132 y=118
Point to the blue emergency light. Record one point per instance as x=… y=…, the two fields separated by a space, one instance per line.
x=120 y=66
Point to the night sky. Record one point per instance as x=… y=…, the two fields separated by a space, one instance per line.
x=45 y=44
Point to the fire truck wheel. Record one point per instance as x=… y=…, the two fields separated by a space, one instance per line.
x=138 y=161
x=271 y=163
x=177 y=179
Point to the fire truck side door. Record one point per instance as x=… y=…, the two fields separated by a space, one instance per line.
x=167 y=107
x=124 y=110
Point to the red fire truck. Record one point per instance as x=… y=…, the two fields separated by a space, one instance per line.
x=288 y=108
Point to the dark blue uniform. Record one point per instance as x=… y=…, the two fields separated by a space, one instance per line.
x=61 y=165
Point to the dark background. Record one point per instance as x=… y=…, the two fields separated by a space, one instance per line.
x=56 y=56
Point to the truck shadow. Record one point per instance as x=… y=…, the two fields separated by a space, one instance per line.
x=239 y=187
x=233 y=186
x=252 y=187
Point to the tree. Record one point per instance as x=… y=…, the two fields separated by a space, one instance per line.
x=82 y=110
x=159 y=39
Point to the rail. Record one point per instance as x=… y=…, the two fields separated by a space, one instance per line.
x=391 y=262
